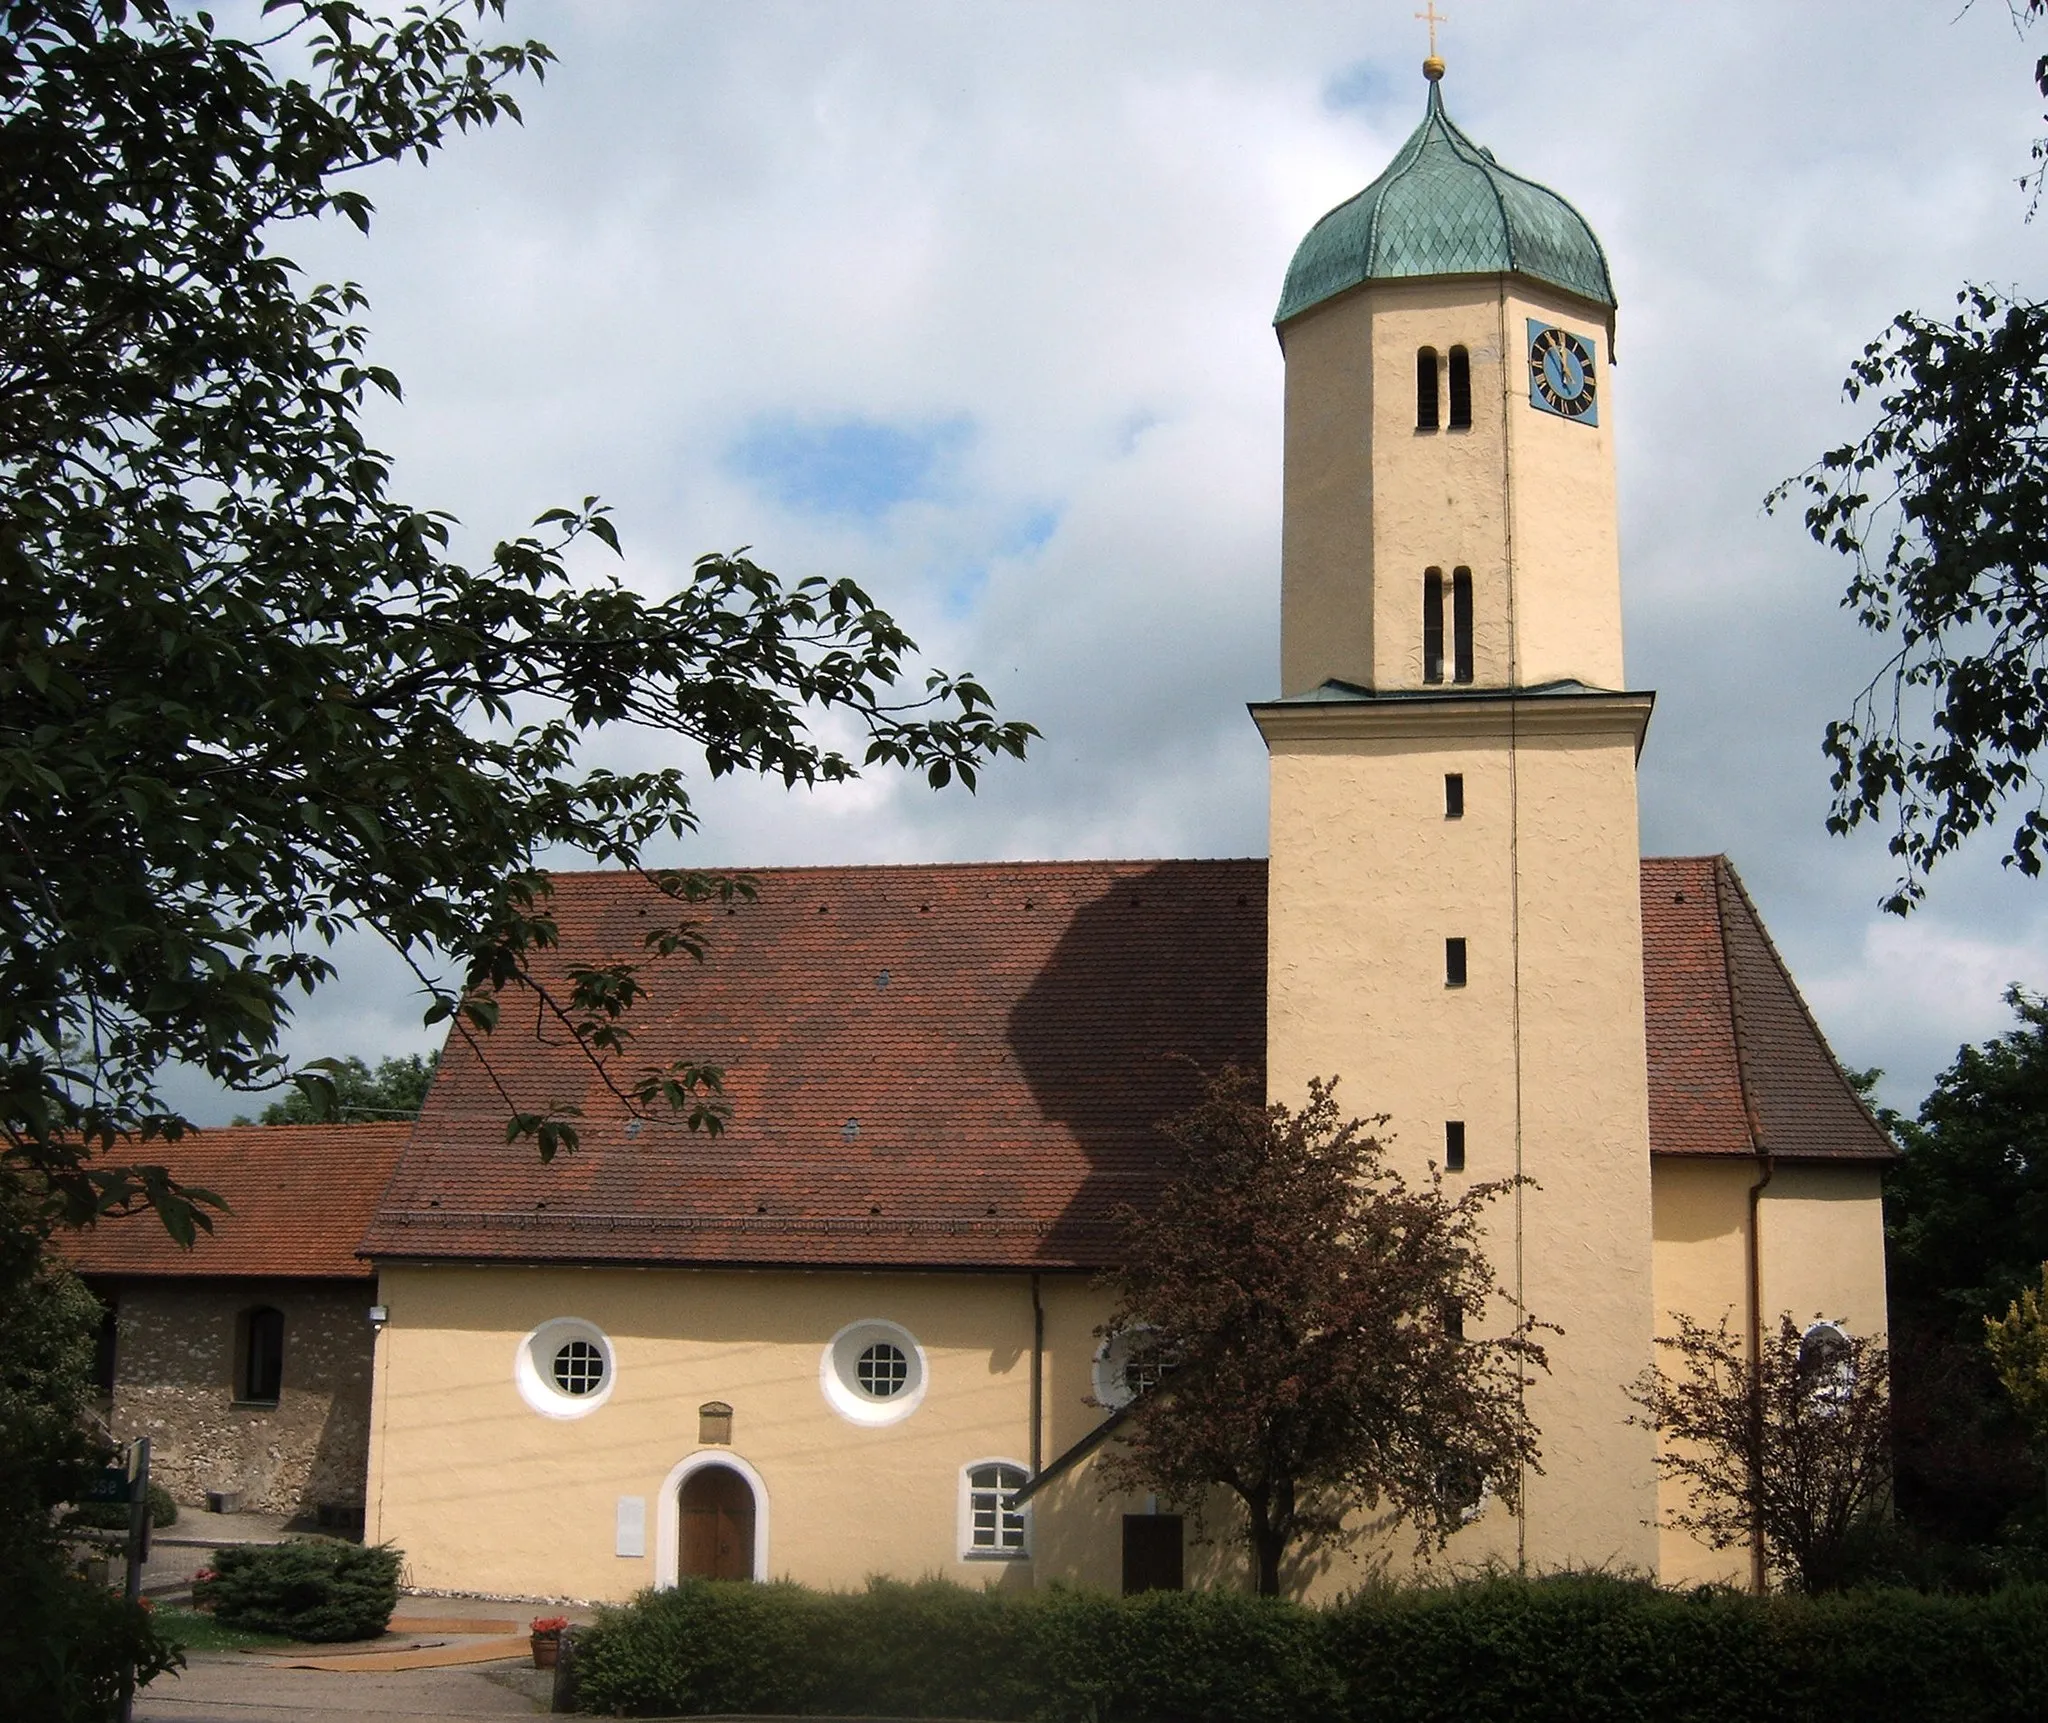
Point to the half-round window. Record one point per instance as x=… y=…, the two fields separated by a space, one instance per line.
x=564 y=1368
x=873 y=1372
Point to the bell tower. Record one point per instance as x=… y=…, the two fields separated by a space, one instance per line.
x=1454 y=922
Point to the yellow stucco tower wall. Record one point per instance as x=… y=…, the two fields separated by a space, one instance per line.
x=1540 y=1052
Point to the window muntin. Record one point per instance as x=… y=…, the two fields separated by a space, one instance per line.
x=873 y=1372
x=1128 y=1363
x=993 y=1528
x=882 y=1370
x=565 y=1368
x=259 y=1355
x=1426 y=414
x=1461 y=389
x=579 y=1367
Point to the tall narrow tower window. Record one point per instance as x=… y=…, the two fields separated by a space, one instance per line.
x=1433 y=625
x=1454 y=963
x=1454 y=1145
x=1454 y=795
x=1461 y=389
x=1461 y=627
x=1425 y=390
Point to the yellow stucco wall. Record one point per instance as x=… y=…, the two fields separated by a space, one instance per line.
x=1821 y=1229
x=1370 y=502
x=483 y=1493
x=1368 y=880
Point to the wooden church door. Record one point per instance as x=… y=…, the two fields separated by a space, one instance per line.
x=718 y=1525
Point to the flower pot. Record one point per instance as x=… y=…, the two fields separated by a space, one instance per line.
x=547 y=1648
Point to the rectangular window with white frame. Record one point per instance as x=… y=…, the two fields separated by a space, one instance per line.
x=992 y=1527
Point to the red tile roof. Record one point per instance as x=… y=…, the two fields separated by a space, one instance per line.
x=930 y=1066
x=963 y=1066
x=1737 y=1063
x=301 y=1196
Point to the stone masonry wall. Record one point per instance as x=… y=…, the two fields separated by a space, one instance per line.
x=174 y=1381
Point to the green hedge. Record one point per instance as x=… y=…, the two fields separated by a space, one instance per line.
x=314 y=1590
x=1575 y=1650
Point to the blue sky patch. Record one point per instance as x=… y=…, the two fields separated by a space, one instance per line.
x=857 y=468
x=1363 y=84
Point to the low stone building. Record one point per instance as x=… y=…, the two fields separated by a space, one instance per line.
x=246 y=1359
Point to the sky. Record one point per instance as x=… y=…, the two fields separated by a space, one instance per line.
x=972 y=301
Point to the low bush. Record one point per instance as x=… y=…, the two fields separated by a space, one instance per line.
x=113 y=1516
x=314 y=1590
x=1585 y=1649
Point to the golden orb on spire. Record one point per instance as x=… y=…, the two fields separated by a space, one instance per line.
x=1433 y=67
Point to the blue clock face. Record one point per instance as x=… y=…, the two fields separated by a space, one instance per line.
x=1561 y=373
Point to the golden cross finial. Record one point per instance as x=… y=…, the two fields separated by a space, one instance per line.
x=1432 y=68
x=1433 y=18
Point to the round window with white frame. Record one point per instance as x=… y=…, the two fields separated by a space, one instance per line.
x=564 y=1368
x=1827 y=1364
x=1128 y=1363
x=873 y=1372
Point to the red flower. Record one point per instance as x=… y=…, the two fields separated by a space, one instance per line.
x=550 y=1623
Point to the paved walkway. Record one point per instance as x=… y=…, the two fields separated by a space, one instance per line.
x=279 y=1687
x=223 y=1687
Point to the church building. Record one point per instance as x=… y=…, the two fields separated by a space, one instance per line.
x=840 y=1338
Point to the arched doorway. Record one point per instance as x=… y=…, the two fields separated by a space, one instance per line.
x=717 y=1525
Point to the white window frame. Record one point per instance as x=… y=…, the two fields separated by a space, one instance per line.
x=969 y=1550
x=1832 y=1384
x=839 y=1378
x=1108 y=1373
x=533 y=1368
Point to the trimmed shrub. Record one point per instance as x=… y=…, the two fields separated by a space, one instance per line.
x=1575 y=1649
x=311 y=1590
x=113 y=1516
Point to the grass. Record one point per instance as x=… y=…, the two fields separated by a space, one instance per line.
x=194 y=1630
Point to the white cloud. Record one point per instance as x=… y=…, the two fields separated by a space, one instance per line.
x=1066 y=224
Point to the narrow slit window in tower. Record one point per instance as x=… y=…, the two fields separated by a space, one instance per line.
x=1425 y=390
x=1433 y=625
x=1461 y=627
x=1454 y=1145
x=1454 y=795
x=1454 y=963
x=1461 y=390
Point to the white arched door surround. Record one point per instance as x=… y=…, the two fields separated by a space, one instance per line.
x=668 y=1515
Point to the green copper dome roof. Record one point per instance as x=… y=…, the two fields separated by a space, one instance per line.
x=1444 y=206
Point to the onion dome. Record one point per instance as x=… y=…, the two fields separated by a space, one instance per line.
x=1444 y=206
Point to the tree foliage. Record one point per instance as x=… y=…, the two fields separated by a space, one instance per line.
x=64 y=1642
x=359 y=1095
x=249 y=698
x=1332 y=1329
x=2018 y=1344
x=1795 y=1446
x=1966 y=1229
x=1966 y=1209
x=1942 y=506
